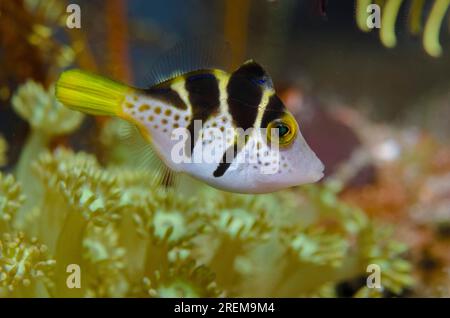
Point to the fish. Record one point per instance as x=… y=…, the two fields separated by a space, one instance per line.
x=228 y=129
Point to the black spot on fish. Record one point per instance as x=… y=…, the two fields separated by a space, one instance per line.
x=164 y=93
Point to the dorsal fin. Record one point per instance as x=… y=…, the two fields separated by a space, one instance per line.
x=255 y=72
x=190 y=55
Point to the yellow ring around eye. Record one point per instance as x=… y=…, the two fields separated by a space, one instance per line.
x=288 y=128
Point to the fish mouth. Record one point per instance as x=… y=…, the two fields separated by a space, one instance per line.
x=317 y=176
x=317 y=173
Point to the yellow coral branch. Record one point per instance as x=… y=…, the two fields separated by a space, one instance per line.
x=415 y=16
x=432 y=26
x=387 y=31
x=361 y=14
x=3 y=149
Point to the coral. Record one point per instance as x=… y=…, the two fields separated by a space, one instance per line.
x=410 y=192
x=395 y=272
x=183 y=279
x=3 y=149
x=390 y=10
x=49 y=16
x=318 y=247
x=50 y=165
x=236 y=224
x=51 y=11
x=332 y=243
x=11 y=198
x=47 y=118
x=92 y=193
x=105 y=262
x=387 y=30
x=168 y=226
x=23 y=264
x=30 y=33
x=81 y=193
x=361 y=16
x=171 y=218
x=42 y=111
x=432 y=28
x=415 y=19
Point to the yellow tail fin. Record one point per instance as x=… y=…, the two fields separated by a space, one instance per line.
x=89 y=93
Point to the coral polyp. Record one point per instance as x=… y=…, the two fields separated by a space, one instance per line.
x=94 y=193
x=11 y=198
x=23 y=265
x=44 y=113
x=183 y=279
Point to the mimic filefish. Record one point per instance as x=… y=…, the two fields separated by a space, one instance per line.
x=195 y=122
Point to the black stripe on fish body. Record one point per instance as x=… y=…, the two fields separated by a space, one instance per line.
x=166 y=94
x=244 y=97
x=203 y=90
x=204 y=97
x=256 y=74
x=251 y=69
x=274 y=110
x=224 y=164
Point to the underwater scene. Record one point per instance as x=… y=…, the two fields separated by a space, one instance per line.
x=340 y=186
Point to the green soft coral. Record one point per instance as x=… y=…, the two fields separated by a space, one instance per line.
x=47 y=118
x=11 y=199
x=23 y=265
x=132 y=239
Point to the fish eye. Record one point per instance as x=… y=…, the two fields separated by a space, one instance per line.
x=283 y=129
x=286 y=129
